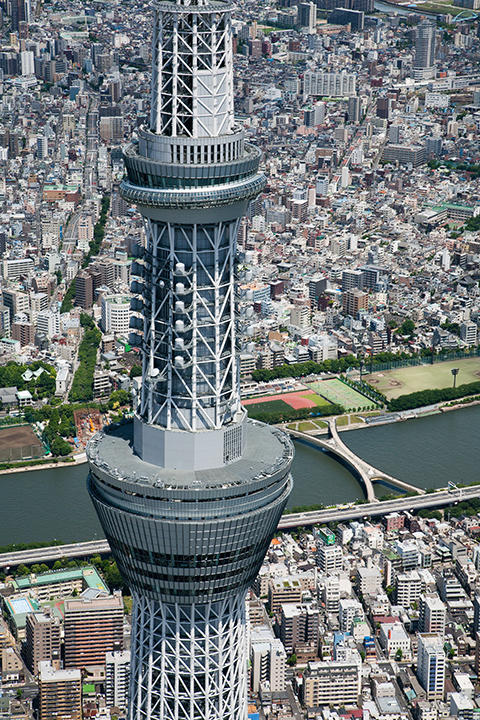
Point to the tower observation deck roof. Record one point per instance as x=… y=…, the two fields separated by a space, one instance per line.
x=266 y=452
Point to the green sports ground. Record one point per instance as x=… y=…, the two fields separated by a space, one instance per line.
x=339 y=393
x=403 y=381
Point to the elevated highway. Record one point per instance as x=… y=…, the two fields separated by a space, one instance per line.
x=341 y=513
x=367 y=473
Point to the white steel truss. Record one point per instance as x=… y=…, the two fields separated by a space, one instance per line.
x=190 y=366
x=188 y=661
x=192 y=78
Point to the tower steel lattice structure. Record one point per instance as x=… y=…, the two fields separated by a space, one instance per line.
x=190 y=494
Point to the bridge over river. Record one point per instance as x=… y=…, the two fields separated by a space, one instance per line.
x=340 y=513
x=367 y=473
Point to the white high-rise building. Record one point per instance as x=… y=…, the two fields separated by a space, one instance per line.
x=42 y=147
x=329 y=558
x=48 y=322
x=268 y=660
x=27 y=62
x=445 y=259
x=431 y=665
x=349 y=610
x=424 y=63
x=323 y=84
x=332 y=682
x=116 y=314
x=117 y=676
x=433 y=615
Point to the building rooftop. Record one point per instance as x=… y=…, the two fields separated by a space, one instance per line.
x=89 y=575
x=49 y=674
x=109 y=602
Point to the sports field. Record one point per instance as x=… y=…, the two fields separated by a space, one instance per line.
x=296 y=400
x=18 y=442
x=337 y=392
x=284 y=403
x=403 y=381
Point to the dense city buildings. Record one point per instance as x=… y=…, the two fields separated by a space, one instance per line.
x=303 y=185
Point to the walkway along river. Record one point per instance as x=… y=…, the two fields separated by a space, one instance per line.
x=43 y=505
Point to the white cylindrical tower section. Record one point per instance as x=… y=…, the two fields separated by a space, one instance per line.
x=192 y=79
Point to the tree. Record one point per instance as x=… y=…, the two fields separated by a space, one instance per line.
x=59 y=446
x=135 y=371
x=407 y=327
x=118 y=398
x=292 y=660
x=399 y=655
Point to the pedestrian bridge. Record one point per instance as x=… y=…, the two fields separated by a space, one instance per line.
x=367 y=473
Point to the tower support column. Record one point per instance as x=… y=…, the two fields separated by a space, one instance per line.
x=189 y=661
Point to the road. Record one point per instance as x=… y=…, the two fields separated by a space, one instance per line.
x=56 y=552
x=291 y=520
x=356 y=512
x=367 y=473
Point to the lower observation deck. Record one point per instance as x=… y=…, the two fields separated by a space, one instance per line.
x=197 y=493
x=184 y=535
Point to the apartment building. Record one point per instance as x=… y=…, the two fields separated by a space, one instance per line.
x=92 y=628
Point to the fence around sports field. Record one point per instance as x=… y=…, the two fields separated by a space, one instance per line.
x=373 y=366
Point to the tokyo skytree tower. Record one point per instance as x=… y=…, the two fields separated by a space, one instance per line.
x=190 y=494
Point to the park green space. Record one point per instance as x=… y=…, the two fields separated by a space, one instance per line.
x=270 y=407
x=337 y=392
x=402 y=381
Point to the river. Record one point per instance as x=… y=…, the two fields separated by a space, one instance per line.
x=385 y=7
x=53 y=504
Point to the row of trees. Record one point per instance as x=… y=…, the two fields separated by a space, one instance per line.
x=98 y=235
x=98 y=231
x=340 y=365
x=430 y=397
x=275 y=416
x=82 y=385
x=67 y=302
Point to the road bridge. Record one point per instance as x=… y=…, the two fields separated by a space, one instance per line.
x=346 y=513
x=339 y=513
x=367 y=473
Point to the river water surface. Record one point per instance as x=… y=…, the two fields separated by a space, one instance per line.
x=53 y=504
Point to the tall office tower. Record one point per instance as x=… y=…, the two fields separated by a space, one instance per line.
x=354 y=109
x=191 y=494
x=307 y=15
x=424 y=63
x=20 y=12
